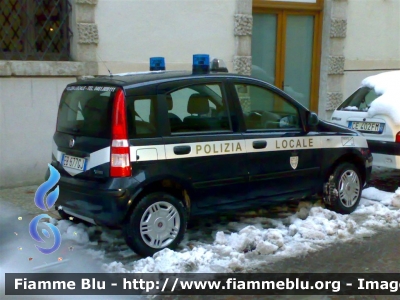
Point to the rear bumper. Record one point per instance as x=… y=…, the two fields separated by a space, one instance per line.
x=100 y=203
x=382 y=147
x=105 y=207
x=386 y=161
x=386 y=154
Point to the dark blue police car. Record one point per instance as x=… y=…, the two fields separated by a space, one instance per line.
x=147 y=151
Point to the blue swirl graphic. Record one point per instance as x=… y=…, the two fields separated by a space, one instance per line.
x=35 y=235
x=46 y=186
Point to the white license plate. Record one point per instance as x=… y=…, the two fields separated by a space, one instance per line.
x=74 y=162
x=366 y=126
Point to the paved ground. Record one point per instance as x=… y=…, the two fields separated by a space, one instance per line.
x=22 y=198
x=388 y=180
x=378 y=254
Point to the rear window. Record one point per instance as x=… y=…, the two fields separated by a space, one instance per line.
x=86 y=111
x=360 y=101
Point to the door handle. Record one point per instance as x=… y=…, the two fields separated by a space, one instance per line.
x=259 y=144
x=180 y=150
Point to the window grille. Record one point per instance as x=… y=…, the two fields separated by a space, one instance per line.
x=35 y=29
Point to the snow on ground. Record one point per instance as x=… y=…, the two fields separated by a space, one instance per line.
x=19 y=255
x=244 y=244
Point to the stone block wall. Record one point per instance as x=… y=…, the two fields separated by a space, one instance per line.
x=337 y=15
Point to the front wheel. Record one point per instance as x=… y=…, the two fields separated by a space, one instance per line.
x=347 y=185
x=158 y=221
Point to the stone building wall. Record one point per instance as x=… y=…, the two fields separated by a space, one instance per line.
x=30 y=93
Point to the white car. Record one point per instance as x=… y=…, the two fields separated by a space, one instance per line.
x=374 y=110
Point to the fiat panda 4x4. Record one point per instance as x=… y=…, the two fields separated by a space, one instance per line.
x=147 y=151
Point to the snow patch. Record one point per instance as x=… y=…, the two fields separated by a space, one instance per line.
x=97 y=254
x=386 y=84
x=244 y=245
x=70 y=231
x=396 y=198
x=114 y=267
x=266 y=248
x=220 y=238
x=351 y=108
x=377 y=195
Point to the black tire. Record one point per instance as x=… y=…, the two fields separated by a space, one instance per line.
x=348 y=195
x=139 y=240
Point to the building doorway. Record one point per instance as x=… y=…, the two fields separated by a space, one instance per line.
x=286 y=45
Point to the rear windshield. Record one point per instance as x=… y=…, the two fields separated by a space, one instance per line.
x=360 y=101
x=86 y=111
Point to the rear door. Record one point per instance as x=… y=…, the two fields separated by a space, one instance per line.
x=282 y=160
x=81 y=144
x=202 y=145
x=145 y=138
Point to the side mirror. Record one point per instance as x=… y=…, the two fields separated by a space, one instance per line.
x=312 y=119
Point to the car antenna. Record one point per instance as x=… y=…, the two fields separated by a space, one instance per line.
x=98 y=56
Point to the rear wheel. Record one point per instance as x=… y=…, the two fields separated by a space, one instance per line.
x=158 y=221
x=348 y=183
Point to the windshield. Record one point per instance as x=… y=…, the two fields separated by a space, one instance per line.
x=360 y=101
x=86 y=111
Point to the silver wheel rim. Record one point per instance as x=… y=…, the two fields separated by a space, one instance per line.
x=160 y=225
x=349 y=188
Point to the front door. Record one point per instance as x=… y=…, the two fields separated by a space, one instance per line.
x=200 y=144
x=282 y=159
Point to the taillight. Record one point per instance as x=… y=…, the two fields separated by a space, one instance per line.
x=120 y=165
x=398 y=137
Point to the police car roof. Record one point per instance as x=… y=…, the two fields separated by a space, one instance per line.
x=127 y=79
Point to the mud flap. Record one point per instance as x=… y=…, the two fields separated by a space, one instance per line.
x=331 y=193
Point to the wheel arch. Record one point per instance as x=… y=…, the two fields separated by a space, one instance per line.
x=172 y=185
x=351 y=158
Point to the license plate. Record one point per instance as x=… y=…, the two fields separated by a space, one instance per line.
x=74 y=162
x=366 y=126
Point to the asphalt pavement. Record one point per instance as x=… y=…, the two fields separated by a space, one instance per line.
x=387 y=180
x=376 y=254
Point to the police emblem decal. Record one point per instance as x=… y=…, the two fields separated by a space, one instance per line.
x=294 y=160
x=71 y=143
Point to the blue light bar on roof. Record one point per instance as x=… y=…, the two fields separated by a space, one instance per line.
x=218 y=65
x=157 y=64
x=201 y=63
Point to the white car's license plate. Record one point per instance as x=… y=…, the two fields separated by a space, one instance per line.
x=365 y=126
x=74 y=162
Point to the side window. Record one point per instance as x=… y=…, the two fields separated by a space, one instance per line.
x=197 y=108
x=142 y=110
x=263 y=109
x=140 y=115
